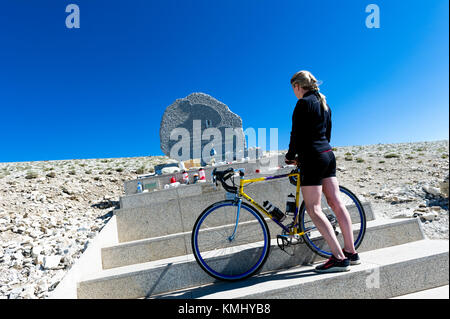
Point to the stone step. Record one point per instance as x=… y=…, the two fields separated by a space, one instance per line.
x=441 y=292
x=384 y=273
x=179 y=215
x=150 y=278
x=379 y=233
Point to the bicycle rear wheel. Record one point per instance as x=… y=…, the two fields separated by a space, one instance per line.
x=230 y=246
x=312 y=236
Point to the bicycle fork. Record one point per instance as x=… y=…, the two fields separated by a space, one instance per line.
x=238 y=210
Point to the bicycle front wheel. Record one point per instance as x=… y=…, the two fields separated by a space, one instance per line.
x=230 y=244
x=357 y=214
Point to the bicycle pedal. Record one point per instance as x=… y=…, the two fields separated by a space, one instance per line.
x=284 y=243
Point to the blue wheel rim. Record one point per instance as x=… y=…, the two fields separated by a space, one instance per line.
x=252 y=269
x=363 y=224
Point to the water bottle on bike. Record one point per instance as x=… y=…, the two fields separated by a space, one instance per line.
x=274 y=211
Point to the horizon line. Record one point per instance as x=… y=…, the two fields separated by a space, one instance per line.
x=163 y=155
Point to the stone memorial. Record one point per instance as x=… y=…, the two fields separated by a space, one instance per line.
x=198 y=126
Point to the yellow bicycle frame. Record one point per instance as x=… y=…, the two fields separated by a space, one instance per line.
x=243 y=182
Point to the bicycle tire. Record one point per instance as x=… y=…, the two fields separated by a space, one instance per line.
x=238 y=261
x=310 y=240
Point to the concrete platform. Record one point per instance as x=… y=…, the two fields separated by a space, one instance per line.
x=145 y=252
x=281 y=187
x=177 y=215
x=379 y=233
x=383 y=273
x=130 y=187
x=176 y=273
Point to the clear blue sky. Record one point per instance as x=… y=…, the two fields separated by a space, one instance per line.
x=101 y=90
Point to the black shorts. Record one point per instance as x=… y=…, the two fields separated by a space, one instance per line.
x=315 y=167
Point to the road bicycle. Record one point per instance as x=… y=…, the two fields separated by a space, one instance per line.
x=231 y=240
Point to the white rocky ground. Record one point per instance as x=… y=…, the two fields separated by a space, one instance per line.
x=51 y=210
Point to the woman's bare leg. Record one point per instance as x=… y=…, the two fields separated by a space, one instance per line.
x=312 y=196
x=330 y=186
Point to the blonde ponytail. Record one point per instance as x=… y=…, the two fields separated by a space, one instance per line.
x=323 y=101
x=307 y=81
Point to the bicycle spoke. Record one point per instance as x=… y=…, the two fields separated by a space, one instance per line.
x=230 y=259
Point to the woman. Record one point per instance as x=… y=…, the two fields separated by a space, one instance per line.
x=310 y=138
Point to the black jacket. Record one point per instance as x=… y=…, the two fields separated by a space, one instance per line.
x=311 y=127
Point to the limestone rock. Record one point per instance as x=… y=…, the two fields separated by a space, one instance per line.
x=51 y=262
x=444 y=185
x=432 y=190
x=430 y=216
